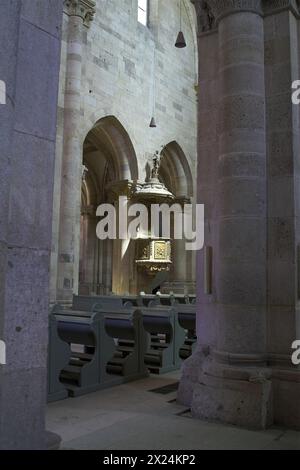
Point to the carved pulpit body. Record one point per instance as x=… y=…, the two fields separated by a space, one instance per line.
x=153 y=253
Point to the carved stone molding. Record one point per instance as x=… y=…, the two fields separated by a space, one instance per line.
x=221 y=8
x=120 y=188
x=205 y=17
x=85 y=9
x=182 y=200
x=273 y=6
x=209 y=12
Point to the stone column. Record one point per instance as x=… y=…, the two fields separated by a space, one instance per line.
x=89 y=253
x=241 y=192
x=80 y=14
x=180 y=279
x=282 y=52
x=9 y=31
x=232 y=383
x=29 y=64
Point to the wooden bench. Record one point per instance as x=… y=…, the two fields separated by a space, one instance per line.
x=59 y=354
x=100 y=357
x=167 y=337
x=187 y=320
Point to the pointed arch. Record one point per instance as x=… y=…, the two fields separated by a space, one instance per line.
x=192 y=16
x=111 y=137
x=177 y=170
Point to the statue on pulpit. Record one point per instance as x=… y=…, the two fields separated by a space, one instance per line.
x=156 y=165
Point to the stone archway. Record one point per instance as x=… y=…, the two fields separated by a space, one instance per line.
x=110 y=134
x=175 y=172
x=110 y=169
x=95 y=263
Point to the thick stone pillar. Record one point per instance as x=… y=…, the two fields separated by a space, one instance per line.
x=29 y=64
x=241 y=191
x=248 y=274
x=206 y=187
x=233 y=383
x=80 y=14
x=282 y=52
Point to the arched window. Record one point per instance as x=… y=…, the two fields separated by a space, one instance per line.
x=143 y=12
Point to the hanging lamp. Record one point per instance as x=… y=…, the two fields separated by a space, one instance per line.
x=180 y=41
x=152 y=122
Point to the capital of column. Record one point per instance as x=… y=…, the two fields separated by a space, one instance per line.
x=182 y=200
x=120 y=188
x=273 y=6
x=85 y=9
x=222 y=8
x=209 y=12
x=205 y=18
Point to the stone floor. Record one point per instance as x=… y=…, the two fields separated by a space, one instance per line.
x=132 y=417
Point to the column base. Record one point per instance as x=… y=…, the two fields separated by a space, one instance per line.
x=286 y=394
x=189 y=378
x=53 y=441
x=237 y=395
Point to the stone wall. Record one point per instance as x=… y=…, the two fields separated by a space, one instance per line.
x=118 y=79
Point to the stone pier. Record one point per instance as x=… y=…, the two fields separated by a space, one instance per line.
x=241 y=372
x=29 y=65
